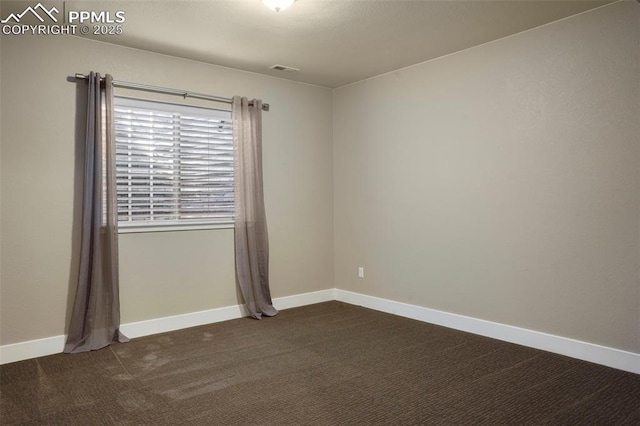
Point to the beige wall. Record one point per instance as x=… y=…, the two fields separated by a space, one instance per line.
x=501 y=182
x=166 y=273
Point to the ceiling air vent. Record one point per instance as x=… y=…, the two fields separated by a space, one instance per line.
x=278 y=67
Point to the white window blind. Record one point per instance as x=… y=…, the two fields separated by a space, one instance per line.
x=174 y=164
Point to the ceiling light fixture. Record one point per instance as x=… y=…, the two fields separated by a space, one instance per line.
x=278 y=5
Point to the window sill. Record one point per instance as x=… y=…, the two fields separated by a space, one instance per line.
x=139 y=228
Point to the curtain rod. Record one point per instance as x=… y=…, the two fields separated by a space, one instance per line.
x=168 y=91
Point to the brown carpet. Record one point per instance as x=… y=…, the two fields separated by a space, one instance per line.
x=324 y=364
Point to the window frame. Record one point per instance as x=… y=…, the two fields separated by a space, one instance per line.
x=143 y=226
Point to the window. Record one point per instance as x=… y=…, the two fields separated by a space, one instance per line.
x=174 y=164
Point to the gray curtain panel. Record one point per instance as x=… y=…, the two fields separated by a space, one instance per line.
x=95 y=319
x=251 y=239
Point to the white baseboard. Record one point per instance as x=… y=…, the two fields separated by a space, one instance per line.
x=54 y=345
x=616 y=358
x=304 y=299
x=627 y=361
x=177 y=322
x=194 y=319
x=31 y=349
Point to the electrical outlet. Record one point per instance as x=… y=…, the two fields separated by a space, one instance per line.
x=360 y=272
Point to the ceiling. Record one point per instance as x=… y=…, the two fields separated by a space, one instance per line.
x=332 y=42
